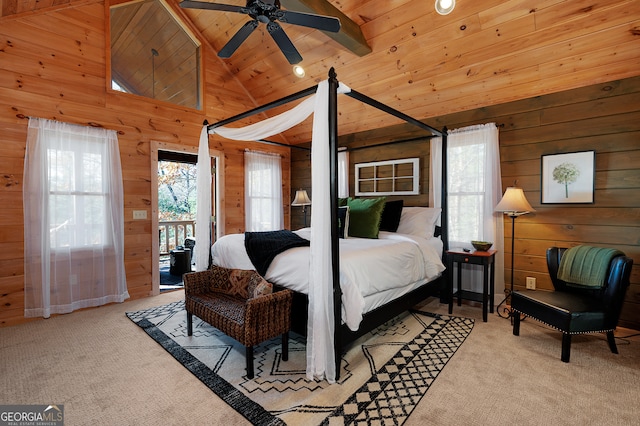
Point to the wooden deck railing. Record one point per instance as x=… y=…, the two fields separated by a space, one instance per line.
x=173 y=233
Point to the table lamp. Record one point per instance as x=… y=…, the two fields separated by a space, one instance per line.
x=302 y=199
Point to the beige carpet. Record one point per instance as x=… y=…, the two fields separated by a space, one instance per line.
x=106 y=371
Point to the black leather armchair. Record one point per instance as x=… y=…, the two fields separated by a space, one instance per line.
x=576 y=310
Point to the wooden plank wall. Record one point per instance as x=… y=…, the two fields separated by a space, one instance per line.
x=52 y=65
x=603 y=117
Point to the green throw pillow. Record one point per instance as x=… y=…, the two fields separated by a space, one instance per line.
x=364 y=216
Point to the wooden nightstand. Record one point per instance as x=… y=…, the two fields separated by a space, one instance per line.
x=474 y=257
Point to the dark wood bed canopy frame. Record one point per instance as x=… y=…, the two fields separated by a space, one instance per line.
x=342 y=334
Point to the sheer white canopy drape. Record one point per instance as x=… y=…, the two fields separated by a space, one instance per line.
x=73 y=220
x=203 y=211
x=263 y=191
x=474 y=187
x=320 y=347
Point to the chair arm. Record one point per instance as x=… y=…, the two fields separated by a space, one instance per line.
x=554 y=257
x=618 y=282
x=268 y=316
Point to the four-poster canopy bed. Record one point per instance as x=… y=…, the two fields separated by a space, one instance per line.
x=324 y=303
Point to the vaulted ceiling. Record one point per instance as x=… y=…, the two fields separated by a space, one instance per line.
x=485 y=52
x=402 y=53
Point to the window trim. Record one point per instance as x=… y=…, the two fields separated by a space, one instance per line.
x=414 y=176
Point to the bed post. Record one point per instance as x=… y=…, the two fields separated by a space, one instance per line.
x=335 y=260
x=444 y=217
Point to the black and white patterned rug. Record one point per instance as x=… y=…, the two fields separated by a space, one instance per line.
x=383 y=376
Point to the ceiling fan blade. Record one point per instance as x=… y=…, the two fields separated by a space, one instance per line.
x=320 y=22
x=189 y=4
x=235 y=42
x=284 y=43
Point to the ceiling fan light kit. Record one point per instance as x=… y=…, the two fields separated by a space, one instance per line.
x=298 y=71
x=267 y=12
x=445 y=7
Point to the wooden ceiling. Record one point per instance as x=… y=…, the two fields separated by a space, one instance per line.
x=427 y=65
x=153 y=55
x=485 y=52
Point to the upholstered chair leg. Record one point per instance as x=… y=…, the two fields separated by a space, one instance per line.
x=249 y=356
x=516 y=324
x=285 y=346
x=612 y=342
x=566 y=347
x=189 y=324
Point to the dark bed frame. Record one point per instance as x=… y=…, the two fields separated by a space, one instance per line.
x=342 y=334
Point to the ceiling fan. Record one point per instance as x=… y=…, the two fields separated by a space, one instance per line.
x=268 y=12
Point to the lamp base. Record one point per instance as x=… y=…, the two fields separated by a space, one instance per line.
x=507 y=311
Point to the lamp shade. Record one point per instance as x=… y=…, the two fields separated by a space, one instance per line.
x=514 y=202
x=445 y=7
x=301 y=199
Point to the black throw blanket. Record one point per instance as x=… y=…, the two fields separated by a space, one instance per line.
x=263 y=247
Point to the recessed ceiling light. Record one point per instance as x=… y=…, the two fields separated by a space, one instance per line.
x=298 y=71
x=445 y=7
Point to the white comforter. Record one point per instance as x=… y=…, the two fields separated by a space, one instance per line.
x=367 y=266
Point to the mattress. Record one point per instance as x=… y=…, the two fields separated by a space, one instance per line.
x=372 y=271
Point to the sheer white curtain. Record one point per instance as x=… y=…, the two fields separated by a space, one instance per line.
x=343 y=174
x=320 y=348
x=73 y=220
x=263 y=191
x=474 y=189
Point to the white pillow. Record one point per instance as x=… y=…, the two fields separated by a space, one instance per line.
x=419 y=221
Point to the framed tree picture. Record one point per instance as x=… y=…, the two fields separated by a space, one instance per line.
x=568 y=178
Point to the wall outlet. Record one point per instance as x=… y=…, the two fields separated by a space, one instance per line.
x=139 y=214
x=531 y=283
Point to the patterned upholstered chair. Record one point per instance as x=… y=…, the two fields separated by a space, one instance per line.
x=575 y=307
x=240 y=304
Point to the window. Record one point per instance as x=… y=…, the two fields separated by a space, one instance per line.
x=343 y=174
x=263 y=192
x=473 y=170
x=153 y=54
x=392 y=177
x=74 y=219
x=474 y=189
x=77 y=195
x=466 y=168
